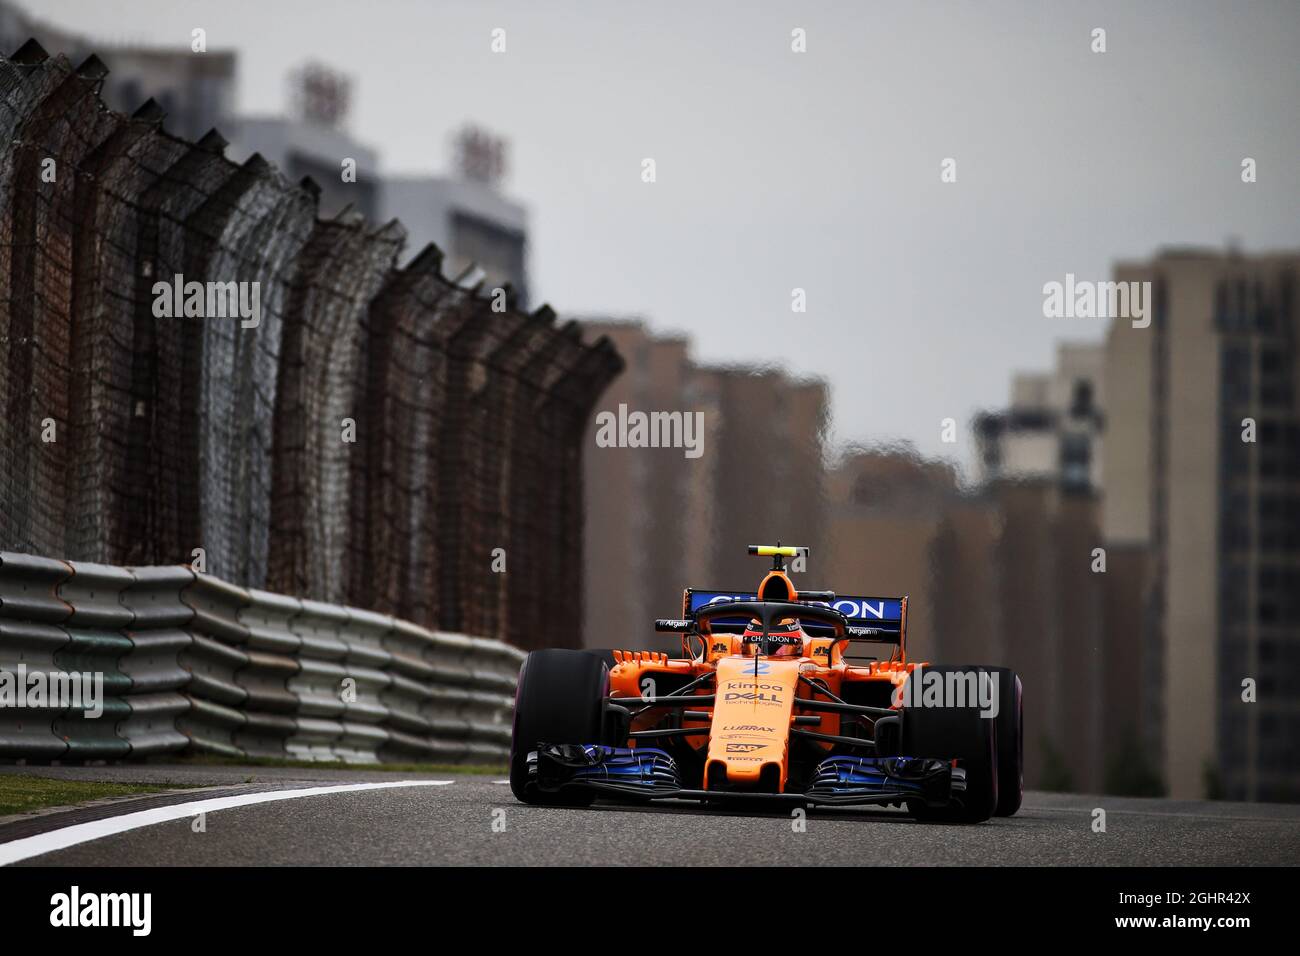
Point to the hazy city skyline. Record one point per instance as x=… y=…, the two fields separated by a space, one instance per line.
x=820 y=170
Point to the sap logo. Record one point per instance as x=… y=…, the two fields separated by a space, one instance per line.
x=762 y=698
x=743 y=748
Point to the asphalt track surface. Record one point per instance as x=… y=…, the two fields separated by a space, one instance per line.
x=476 y=821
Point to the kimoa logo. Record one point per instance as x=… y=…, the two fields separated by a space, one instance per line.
x=208 y=300
x=75 y=908
x=1085 y=299
x=651 y=430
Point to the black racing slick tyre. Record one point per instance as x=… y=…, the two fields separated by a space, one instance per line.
x=559 y=700
x=945 y=731
x=1011 y=741
x=605 y=654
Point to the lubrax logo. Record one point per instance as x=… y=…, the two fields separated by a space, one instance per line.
x=103 y=909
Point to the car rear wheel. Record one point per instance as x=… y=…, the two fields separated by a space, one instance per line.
x=946 y=731
x=1011 y=741
x=558 y=701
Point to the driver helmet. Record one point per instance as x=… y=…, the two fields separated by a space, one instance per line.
x=786 y=628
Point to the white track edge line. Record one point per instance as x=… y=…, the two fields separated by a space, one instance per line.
x=78 y=833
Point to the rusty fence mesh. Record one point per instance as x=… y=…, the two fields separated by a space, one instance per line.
x=370 y=435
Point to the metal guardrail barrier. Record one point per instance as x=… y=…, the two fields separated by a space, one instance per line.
x=187 y=661
x=468 y=418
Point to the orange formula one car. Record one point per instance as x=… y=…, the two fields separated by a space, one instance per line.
x=764 y=704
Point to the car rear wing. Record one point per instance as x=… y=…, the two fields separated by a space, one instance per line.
x=879 y=619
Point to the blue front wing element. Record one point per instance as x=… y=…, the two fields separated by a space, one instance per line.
x=644 y=771
x=849 y=779
x=648 y=773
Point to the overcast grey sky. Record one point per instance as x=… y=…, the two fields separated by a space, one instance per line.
x=818 y=170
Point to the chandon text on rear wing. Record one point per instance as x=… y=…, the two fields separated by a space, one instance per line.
x=884 y=617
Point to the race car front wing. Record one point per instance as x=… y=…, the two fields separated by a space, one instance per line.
x=645 y=773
